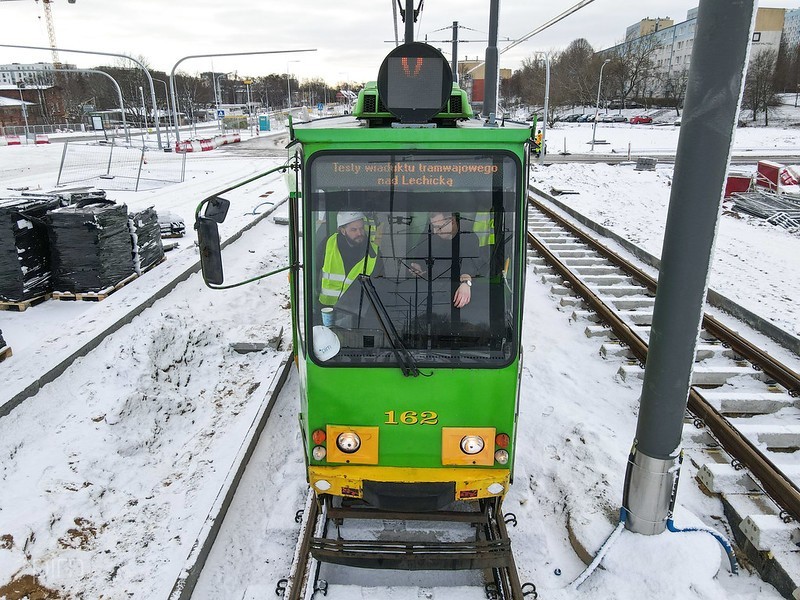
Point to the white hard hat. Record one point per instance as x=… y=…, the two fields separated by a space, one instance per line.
x=348 y=216
x=326 y=344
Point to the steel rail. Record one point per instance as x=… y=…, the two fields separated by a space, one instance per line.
x=780 y=372
x=298 y=575
x=783 y=491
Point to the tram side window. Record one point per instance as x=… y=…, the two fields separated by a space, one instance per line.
x=438 y=258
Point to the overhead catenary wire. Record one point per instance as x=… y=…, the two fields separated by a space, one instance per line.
x=539 y=29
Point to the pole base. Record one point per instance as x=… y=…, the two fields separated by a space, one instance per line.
x=648 y=493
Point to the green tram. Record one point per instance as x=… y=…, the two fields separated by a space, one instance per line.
x=407 y=256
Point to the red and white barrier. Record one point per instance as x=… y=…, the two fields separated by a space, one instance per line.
x=42 y=138
x=207 y=144
x=737 y=183
x=13 y=140
x=778 y=178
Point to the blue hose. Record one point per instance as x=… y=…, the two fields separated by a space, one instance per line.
x=720 y=538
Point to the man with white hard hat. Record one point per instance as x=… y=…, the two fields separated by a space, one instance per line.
x=344 y=256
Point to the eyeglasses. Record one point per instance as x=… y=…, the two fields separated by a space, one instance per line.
x=437 y=227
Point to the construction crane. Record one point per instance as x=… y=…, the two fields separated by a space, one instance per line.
x=51 y=30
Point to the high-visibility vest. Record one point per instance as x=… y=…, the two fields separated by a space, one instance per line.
x=483 y=227
x=334 y=280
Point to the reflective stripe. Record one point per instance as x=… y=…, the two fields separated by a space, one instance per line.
x=484 y=228
x=334 y=280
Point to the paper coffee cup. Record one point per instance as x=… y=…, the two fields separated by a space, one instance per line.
x=327 y=316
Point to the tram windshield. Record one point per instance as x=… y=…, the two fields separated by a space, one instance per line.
x=432 y=235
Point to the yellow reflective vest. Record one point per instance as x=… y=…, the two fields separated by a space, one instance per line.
x=334 y=280
x=483 y=227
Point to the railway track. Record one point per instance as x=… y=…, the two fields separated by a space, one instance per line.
x=742 y=400
x=321 y=541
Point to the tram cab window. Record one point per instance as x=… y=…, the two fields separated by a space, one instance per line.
x=414 y=228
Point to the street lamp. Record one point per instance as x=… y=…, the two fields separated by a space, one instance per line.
x=166 y=99
x=546 y=102
x=597 y=104
x=21 y=86
x=288 y=84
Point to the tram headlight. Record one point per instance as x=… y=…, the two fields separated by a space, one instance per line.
x=319 y=452
x=501 y=456
x=348 y=442
x=471 y=444
x=318 y=436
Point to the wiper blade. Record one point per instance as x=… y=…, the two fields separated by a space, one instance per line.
x=404 y=357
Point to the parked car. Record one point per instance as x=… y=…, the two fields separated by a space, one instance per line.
x=618 y=119
x=584 y=118
x=571 y=118
x=641 y=119
x=605 y=118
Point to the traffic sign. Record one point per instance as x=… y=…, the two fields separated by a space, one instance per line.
x=220 y=113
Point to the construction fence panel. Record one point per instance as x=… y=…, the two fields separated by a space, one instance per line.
x=119 y=167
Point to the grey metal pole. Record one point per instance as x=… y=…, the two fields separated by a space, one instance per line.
x=597 y=104
x=146 y=72
x=144 y=108
x=166 y=99
x=20 y=86
x=546 y=105
x=716 y=78
x=455 y=51
x=409 y=21
x=175 y=66
x=491 y=68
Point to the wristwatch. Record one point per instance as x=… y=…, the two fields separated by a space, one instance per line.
x=468 y=282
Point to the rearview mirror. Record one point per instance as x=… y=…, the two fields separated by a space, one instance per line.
x=210 y=253
x=217 y=210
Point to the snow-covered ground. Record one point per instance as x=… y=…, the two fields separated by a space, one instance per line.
x=107 y=474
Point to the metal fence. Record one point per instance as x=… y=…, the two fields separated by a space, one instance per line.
x=48 y=129
x=112 y=166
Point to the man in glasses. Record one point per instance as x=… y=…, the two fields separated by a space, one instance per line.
x=447 y=253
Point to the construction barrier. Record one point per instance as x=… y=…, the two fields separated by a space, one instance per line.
x=42 y=138
x=207 y=144
x=13 y=140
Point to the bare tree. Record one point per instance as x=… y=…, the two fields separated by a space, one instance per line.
x=632 y=65
x=759 y=87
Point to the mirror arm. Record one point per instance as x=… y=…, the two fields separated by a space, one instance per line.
x=216 y=195
x=252 y=279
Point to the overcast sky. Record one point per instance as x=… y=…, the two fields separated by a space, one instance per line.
x=350 y=36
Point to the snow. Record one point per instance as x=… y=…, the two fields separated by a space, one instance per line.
x=109 y=471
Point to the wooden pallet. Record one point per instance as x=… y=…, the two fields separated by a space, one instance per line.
x=5 y=352
x=94 y=296
x=154 y=265
x=22 y=305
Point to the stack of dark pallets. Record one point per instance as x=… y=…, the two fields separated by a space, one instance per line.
x=146 y=233
x=91 y=247
x=5 y=351
x=24 y=250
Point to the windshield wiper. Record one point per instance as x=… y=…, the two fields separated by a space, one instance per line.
x=404 y=357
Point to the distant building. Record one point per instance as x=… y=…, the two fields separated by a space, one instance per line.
x=42 y=103
x=791 y=27
x=674 y=41
x=472 y=76
x=40 y=73
x=646 y=27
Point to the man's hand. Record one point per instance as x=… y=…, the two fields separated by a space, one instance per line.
x=416 y=269
x=462 y=296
